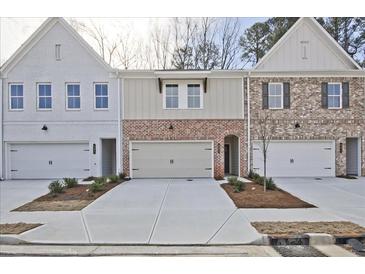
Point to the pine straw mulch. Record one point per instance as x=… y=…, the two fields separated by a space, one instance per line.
x=255 y=197
x=16 y=228
x=72 y=199
x=280 y=229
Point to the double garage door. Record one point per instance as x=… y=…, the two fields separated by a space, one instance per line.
x=296 y=159
x=164 y=159
x=48 y=160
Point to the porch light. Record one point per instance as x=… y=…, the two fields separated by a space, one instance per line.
x=297 y=125
x=45 y=128
x=171 y=127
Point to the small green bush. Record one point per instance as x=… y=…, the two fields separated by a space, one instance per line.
x=232 y=180
x=100 y=180
x=270 y=185
x=122 y=175
x=113 y=179
x=239 y=186
x=96 y=186
x=70 y=182
x=260 y=180
x=252 y=174
x=56 y=187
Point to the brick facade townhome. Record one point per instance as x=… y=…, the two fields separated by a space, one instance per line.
x=315 y=122
x=216 y=130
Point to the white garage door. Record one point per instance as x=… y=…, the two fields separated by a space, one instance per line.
x=296 y=158
x=171 y=159
x=47 y=161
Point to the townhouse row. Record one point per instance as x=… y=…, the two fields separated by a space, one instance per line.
x=66 y=113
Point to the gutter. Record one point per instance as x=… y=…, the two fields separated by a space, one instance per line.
x=119 y=152
x=248 y=123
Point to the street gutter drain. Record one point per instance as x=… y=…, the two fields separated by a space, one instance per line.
x=298 y=251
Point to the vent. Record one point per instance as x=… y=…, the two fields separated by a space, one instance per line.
x=58 y=52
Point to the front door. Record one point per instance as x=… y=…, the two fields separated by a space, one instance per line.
x=226 y=159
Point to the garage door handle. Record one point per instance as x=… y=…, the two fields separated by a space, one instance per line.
x=134 y=149
x=13 y=150
x=327 y=168
x=86 y=169
x=208 y=149
x=135 y=168
x=14 y=170
x=208 y=168
x=327 y=148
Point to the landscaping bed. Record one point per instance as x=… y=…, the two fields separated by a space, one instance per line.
x=253 y=196
x=16 y=228
x=288 y=229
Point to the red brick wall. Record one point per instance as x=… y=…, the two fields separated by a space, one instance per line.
x=214 y=130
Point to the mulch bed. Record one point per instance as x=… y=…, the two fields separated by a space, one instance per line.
x=16 y=228
x=72 y=199
x=281 y=229
x=255 y=197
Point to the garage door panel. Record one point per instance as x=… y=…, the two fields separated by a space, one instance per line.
x=171 y=159
x=296 y=158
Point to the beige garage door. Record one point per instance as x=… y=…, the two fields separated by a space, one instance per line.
x=171 y=159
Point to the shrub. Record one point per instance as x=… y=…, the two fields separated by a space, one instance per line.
x=218 y=178
x=70 y=182
x=260 y=180
x=239 y=186
x=100 y=180
x=122 y=175
x=96 y=186
x=56 y=187
x=232 y=180
x=252 y=174
x=113 y=179
x=270 y=185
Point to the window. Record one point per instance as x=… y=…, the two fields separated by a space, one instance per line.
x=58 y=52
x=334 y=95
x=44 y=96
x=193 y=96
x=101 y=96
x=16 y=97
x=275 y=95
x=172 y=96
x=73 y=96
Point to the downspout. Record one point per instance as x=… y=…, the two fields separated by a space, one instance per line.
x=119 y=152
x=2 y=175
x=248 y=123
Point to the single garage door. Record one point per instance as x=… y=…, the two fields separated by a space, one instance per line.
x=296 y=159
x=48 y=161
x=171 y=159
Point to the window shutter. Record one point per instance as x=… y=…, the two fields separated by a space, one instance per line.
x=345 y=95
x=265 y=95
x=324 y=95
x=286 y=95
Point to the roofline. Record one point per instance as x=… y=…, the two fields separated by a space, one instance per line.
x=333 y=41
x=39 y=33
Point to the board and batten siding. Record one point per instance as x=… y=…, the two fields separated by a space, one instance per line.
x=223 y=100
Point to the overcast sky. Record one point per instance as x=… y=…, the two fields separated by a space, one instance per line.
x=14 y=31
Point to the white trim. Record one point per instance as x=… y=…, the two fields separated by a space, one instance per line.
x=119 y=128
x=107 y=96
x=248 y=125
x=38 y=97
x=282 y=95
x=9 y=96
x=72 y=83
x=359 y=143
x=335 y=83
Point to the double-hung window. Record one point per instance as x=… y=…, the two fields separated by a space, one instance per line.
x=275 y=94
x=16 y=100
x=172 y=96
x=44 y=96
x=193 y=95
x=334 y=95
x=101 y=95
x=73 y=96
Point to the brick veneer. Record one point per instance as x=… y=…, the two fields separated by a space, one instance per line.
x=214 y=130
x=315 y=122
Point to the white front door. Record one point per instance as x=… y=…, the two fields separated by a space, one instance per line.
x=164 y=159
x=296 y=159
x=48 y=160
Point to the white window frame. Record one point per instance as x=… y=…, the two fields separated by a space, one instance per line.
x=44 y=109
x=107 y=96
x=182 y=86
x=282 y=95
x=200 y=96
x=334 y=83
x=72 y=109
x=9 y=94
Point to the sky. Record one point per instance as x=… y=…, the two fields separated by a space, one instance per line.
x=14 y=31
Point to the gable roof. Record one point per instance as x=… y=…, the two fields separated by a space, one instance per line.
x=46 y=26
x=340 y=53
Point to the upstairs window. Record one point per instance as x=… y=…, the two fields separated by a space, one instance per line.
x=101 y=96
x=334 y=95
x=16 y=99
x=275 y=94
x=44 y=96
x=73 y=96
x=193 y=96
x=172 y=96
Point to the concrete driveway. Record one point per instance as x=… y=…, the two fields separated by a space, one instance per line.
x=136 y=212
x=342 y=198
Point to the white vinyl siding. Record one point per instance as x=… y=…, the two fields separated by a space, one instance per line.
x=276 y=96
x=73 y=97
x=44 y=92
x=16 y=96
x=334 y=95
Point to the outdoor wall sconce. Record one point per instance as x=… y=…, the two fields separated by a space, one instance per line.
x=45 y=128
x=341 y=147
x=94 y=148
x=297 y=125
x=171 y=127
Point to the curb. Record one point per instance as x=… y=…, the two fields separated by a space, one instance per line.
x=11 y=240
